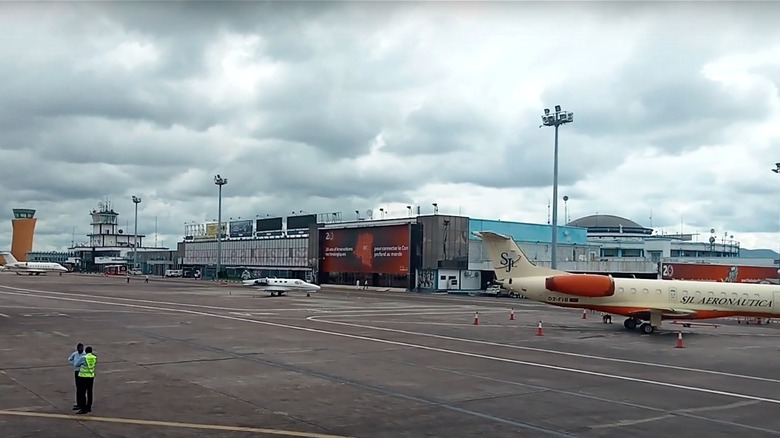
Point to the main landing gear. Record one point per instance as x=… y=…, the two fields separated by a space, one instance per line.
x=645 y=327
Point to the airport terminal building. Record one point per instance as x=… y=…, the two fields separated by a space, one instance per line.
x=425 y=252
x=439 y=252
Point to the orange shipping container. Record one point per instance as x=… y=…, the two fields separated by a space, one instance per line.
x=725 y=273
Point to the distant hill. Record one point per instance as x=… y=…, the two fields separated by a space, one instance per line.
x=758 y=253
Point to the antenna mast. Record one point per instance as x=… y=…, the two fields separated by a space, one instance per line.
x=155 y=231
x=548 y=212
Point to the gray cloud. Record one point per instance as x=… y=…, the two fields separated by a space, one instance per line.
x=292 y=101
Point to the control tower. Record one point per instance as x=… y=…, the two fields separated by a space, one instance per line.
x=105 y=229
x=23 y=225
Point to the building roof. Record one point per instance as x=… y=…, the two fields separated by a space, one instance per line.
x=605 y=222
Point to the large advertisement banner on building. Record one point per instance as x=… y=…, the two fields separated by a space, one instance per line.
x=382 y=250
x=241 y=228
x=724 y=273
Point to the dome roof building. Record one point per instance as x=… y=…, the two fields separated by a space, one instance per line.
x=607 y=225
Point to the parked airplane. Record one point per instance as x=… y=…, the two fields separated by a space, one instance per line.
x=30 y=268
x=282 y=285
x=639 y=300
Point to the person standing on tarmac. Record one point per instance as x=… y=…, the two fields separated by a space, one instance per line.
x=73 y=359
x=86 y=381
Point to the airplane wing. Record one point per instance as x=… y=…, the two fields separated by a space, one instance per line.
x=678 y=312
x=262 y=284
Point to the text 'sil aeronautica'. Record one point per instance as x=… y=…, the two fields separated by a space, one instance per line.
x=746 y=302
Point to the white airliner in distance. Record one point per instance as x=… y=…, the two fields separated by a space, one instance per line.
x=639 y=300
x=281 y=285
x=30 y=268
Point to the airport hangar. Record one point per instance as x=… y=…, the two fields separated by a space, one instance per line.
x=430 y=252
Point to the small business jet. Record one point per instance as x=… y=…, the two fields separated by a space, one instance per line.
x=30 y=268
x=281 y=285
x=644 y=302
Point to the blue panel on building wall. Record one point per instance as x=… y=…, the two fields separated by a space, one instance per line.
x=524 y=232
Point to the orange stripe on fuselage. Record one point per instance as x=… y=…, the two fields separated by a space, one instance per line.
x=700 y=314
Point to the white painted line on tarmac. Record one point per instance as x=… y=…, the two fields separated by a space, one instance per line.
x=441 y=350
x=335 y=307
x=173 y=424
x=4 y=315
x=543 y=350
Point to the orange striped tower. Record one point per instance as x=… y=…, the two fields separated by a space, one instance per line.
x=23 y=225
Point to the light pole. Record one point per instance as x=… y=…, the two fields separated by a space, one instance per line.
x=777 y=171
x=219 y=181
x=136 y=201
x=556 y=119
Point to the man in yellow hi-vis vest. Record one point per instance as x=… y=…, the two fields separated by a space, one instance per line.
x=86 y=380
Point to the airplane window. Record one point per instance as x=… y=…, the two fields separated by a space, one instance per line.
x=645 y=291
x=711 y=294
x=633 y=290
x=757 y=296
x=620 y=290
x=698 y=294
x=658 y=291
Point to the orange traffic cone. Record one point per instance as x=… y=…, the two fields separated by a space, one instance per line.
x=539 y=329
x=584 y=315
x=679 y=340
x=476 y=318
x=511 y=314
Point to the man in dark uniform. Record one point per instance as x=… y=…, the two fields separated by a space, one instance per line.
x=86 y=380
x=73 y=359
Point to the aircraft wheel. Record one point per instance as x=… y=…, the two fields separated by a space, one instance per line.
x=646 y=329
x=630 y=323
x=308 y=294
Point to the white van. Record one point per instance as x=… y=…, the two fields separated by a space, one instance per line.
x=173 y=273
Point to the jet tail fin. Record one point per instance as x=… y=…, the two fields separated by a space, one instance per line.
x=508 y=259
x=8 y=258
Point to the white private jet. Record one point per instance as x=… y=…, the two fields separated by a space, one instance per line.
x=30 y=268
x=638 y=299
x=281 y=285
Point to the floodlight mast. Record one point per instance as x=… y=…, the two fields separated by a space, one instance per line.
x=777 y=171
x=556 y=119
x=219 y=181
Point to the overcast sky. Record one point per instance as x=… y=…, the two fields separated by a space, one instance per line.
x=355 y=106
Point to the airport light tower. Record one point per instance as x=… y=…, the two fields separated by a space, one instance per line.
x=555 y=119
x=136 y=201
x=777 y=171
x=219 y=181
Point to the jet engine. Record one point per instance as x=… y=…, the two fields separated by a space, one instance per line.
x=582 y=285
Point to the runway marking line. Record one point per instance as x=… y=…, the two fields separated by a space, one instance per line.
x=318 y=318
x=429 y=348
x=200 y=426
